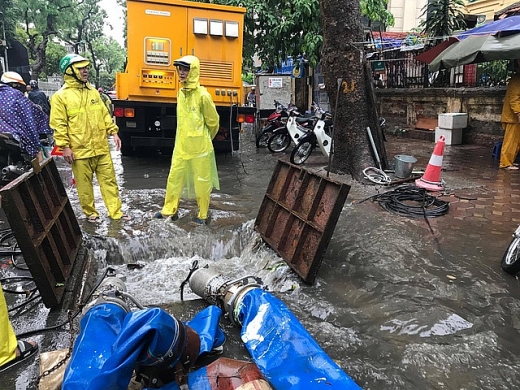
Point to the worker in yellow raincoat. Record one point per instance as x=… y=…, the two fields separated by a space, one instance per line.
x=12 y=351
x=511 y=121
x=193 y=162
x=82 y=124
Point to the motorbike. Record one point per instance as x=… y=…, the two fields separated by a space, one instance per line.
x=275 y=120
x=296 y=126
x=320 y=136
x=511 y=260
x=14 y=162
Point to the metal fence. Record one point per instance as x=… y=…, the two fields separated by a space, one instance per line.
x=398 y=69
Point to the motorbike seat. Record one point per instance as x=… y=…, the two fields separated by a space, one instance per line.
x=7 y=136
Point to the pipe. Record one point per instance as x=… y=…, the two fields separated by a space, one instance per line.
x=339 y=81
x=285 y=352
x=374 y=149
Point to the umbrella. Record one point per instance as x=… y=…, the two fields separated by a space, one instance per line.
x=429 y=55
x=498 y=40
x=478 y=48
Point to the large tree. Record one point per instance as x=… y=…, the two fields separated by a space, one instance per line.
x=344 y=65
x=41 y=21
x=276 y=29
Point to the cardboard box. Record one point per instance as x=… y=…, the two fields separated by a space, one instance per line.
x=453 y=136
x=453 y=120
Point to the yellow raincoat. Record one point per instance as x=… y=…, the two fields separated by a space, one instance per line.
x=511 y=122
x=8 y=341
x=82 y=123
x=193 y=162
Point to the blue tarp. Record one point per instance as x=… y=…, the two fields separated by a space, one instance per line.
x=506 y=26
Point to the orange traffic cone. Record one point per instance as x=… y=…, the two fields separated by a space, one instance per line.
x=431 y=180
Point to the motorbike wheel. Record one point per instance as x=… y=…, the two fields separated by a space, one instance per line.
x=279 y=142
x=261 y=141
x=301 y=152
x=511 y=259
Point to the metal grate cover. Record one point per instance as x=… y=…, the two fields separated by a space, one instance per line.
x=45 y=228
x=298 y=216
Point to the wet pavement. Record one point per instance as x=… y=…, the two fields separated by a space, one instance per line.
x=398 y=303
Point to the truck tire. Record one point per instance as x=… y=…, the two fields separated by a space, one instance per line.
x=126 y=145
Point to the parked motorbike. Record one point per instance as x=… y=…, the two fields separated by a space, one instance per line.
x=511 y=259
x=13 y=161
x=293 y=130
x=320 y=136
x=275 y=120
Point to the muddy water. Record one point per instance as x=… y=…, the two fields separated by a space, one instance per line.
x=398 y=303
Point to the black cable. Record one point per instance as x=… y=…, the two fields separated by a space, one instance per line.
x=56 y=327
x=194 y=267
x=412 y=201
x=13 y=279
x=25 y=303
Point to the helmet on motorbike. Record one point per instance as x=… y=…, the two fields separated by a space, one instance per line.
x=100 y=90
x=33 y=84
x=12 y=78
x=71 y=59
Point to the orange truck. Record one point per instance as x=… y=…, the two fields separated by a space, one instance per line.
x=160 y=31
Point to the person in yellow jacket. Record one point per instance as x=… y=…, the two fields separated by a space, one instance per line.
x=82 y=124
x=12 y=351
x=511 y=121
x=193 y=161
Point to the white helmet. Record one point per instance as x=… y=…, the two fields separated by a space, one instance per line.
x=12 y=77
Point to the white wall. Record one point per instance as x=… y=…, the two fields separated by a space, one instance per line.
x=407 y=14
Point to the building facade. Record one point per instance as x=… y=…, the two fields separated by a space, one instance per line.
x=487 y=8
x=407 y=14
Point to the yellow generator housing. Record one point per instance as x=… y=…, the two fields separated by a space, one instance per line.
x=159 y=32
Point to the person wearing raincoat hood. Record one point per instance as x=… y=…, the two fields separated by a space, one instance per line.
x=82 y=124
x=193 y=161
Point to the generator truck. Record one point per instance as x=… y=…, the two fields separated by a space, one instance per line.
x=159 y=32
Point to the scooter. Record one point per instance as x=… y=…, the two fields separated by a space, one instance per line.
x=275 y=120
x=295 y=128
x=13 y=161
x=320 y=136
x=511 y=259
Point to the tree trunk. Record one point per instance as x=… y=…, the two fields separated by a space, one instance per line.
x=343 y=59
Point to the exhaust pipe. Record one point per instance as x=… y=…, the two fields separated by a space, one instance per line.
x=12 y=171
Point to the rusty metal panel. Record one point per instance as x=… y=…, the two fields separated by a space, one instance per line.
x=298 y=215
x=45 y=227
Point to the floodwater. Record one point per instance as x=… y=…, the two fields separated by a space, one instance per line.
x=397 y=303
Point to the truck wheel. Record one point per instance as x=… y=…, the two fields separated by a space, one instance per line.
x=279 y=142
x=126 y=146
x=511 y=260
